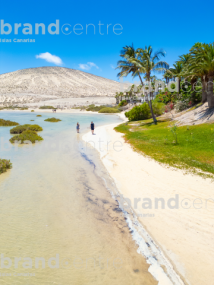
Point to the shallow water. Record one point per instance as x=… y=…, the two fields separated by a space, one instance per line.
x=56 y=202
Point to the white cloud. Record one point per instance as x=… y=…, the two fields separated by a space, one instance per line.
x=50 y=58
x=87 y=66
x=112 y=66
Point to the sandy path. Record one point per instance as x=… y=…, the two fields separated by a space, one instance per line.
x=185 y=233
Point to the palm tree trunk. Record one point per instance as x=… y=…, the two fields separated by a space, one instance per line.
x=193 y=81
x=210 y=97
x=153 y=115
x=150 y=105
x=204 y=91
x=179 y=85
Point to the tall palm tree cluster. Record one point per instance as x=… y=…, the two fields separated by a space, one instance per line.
x=196 y=67
x=141 y=61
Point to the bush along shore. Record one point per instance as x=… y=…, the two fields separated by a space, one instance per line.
x=101 y=108
x=20 y=129
x=109 y=110
x=143 y=112
x=26 y=133
x=46 y=107
x=7 y=123
x=26 y=137
x=52 y=120
x=4 y=165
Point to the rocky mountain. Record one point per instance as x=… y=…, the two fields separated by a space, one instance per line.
x=54 y=82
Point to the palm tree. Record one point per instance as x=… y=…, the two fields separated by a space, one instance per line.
x=117 y=98
x=153 y=78
x=177 y=71
x=185 y=60
x=203 y=59
x=121 y=96
x=141 y=61
x=149 y=62
x=193 y=71
x=125 y=65
x=167 y=76
x=139 y=88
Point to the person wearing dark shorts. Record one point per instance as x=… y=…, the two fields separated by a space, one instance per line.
x=78 y=127
x=92 y=128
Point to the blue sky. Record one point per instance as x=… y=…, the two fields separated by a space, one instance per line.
x=173 y=26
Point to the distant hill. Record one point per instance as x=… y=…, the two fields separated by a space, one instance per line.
x=56 y=81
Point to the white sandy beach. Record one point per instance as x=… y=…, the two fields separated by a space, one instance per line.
x=185 y=234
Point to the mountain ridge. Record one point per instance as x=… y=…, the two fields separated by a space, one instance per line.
x=56 y=81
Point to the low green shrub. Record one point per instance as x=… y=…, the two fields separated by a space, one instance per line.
x=10 y=107
x=7 y=123
x=158 y=108
x=47 y=107
x=94 y=108
x=25 y=137
x=39 y=115
x=123 y=103
x=35 y=128
x=32 y=120
x=141 y=112
x=109 y=110
x=24 y=108
x=32 y=110
x=4 y=165
x=53 y=120
x=23 y=128
x=19 y=129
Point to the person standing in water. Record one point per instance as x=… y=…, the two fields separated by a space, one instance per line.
x=92 y=128
x=78 y=127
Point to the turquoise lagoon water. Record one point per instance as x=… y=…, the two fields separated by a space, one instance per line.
x=59 y=222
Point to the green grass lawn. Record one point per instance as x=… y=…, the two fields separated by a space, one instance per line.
x=194 y=149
